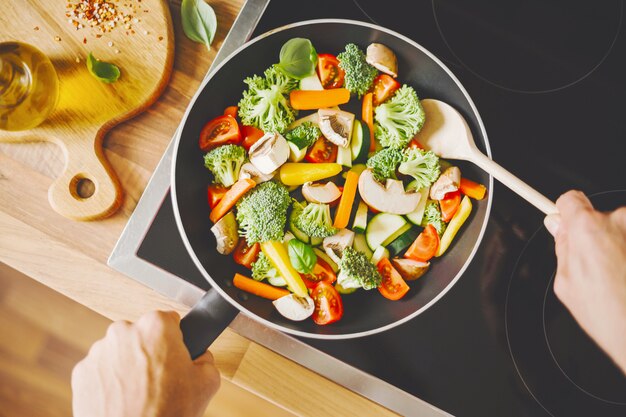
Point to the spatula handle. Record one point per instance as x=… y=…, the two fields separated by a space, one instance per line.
x=515 y=184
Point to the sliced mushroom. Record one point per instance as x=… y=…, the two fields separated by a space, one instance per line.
x=226 y=233
x=335 y=245
x=447 y=182
x=382 y=58
x=294 y=307
x=336 y=125
x=320 y=193
x=248 y=170
x=410 y=269
x=269 y=152
x=388 y=198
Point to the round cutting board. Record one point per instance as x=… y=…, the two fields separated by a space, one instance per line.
x=141 y=45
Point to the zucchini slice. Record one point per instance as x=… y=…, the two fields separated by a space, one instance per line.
x=360 y=143
x=360 y=218
x=384 y=226
x=360 y=244
x=402 y=242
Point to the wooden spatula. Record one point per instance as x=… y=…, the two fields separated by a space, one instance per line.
x=446 y=133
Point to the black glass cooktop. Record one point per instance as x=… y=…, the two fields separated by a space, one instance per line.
x=548 y=79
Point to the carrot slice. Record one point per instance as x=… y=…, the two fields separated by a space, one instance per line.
x=342 y=217
x=230 y=198
x=318 y=99
x=368 y=117
x=258 y=288
x=472 y=189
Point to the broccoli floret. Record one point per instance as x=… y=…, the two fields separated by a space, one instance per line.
x=359 y=74
x=304 y=134
x=314 y=220
x=225 y=163
x=265 y=103
x=356 y=271
x=399 y=118
x=262 y=212
x=262 y=268
x=432 y=215
x=384 y=163
x=421 y=165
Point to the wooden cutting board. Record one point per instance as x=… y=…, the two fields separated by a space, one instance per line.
x=143 y=49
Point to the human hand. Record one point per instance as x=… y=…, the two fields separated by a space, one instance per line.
x=143 y=369
x=591 y=275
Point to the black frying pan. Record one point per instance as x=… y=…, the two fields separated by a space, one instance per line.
x=365 y=312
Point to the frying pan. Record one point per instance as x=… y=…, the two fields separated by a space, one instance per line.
x=365 y=312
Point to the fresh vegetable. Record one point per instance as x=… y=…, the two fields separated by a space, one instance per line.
x=449 y=205
x=269 y=152
x=250 y=135
x=296 y=210
x=318 y=99
x=382 y=58
x=425 y=246
x=328 y=304
x=360 y=218
x=312 y=82
x=297 y=173
x=262 y=268
x=248 y=170
x=398 y=119
x=231 y=197
x=447 y=182
x=226 y=236
x=102 y=71
x=321 y=271
x=258 y=288
x=422 y=165
x=225 y=163
x=215 y=192
x=417 y=215
x=410 y=269
x=222 y=130
x=335 y=245
x=321 y=193
x=392 y=286
x=344 y=156
x=359 y=75
x=301 y=255
x=384 y=163
x=390 y=198
x=322 y=255
x=277 y=255
x=342 y=216
x=330 y=74
x=296 y=154
x=262 y=213
x=342 y=290
x=297 y=58
x=455 y=224
x=432 y=215
x=199 y=21
x=367 y=114
x=360 y=244
x=265 y=103
x=380 y=253
x=360 y=142
x=322 y=151
x=303 y=135
x=384 y=87
x=403 y=241
x=231 y=111
x=295 y=308
x=336 y=125
x=472 y=189
x=315 y=220
x=246 y=255
x=356 y=271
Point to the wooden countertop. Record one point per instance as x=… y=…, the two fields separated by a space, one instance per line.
x=70 y=257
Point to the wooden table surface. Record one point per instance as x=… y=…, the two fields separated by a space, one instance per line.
x=70 y=257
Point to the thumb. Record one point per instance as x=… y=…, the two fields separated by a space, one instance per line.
x=552 y=223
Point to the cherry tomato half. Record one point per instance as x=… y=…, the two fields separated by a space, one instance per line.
x=215 y=192
x=246 y=255
x=321 y=272
x=425 y=246
x=449 y=205
x=331 y=75
x=328 y=305
x=384 y=87
x=250 y=136
x=322 y=150
x=231 y=111
x=220 y=131
x=392 y=287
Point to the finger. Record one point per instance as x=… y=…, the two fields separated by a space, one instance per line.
x=572 y=203
x=552 y=223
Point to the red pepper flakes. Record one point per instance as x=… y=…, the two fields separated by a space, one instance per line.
x=102 y=15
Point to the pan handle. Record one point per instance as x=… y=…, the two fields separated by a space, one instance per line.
x=206 y=320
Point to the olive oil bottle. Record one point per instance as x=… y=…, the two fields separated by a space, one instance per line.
x=29 y=86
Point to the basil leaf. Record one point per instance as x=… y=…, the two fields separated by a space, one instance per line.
x=103 y=71
x=301 y=256
x=199 y=21
x=298 y=58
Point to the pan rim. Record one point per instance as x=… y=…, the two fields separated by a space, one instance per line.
x=238 y=305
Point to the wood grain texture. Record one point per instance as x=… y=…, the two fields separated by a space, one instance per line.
x=87 y=108
x=70 y=257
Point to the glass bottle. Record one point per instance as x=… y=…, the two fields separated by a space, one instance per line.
x=29 y=86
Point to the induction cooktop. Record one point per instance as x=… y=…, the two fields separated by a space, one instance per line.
x=548 y=80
